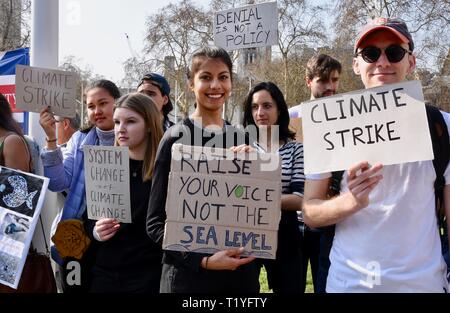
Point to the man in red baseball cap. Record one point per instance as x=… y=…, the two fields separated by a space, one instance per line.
x=394 y=25
x=386 y=236
x=383 y=52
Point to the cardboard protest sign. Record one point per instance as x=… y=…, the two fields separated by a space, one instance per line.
x=247 y=27
x=295 y=124
x=37 y=88
x=21 y=199
x=223 y=200
x=107 y=176
x=386 y=124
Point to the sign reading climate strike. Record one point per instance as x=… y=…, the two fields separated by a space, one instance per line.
x=386 y=124
x=107 y=182
x=37 y=88
x=247 y=27
x=224 y=201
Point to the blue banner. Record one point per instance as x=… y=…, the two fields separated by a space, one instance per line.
x=8 y=62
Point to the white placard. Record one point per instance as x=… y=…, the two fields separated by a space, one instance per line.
x=247 y=27
x=386 y=124
x=37 y=88
x=107 y=182
x=21 y=200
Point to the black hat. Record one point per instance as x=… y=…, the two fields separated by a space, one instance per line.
x=161 y=82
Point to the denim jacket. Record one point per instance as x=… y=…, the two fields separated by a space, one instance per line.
x=67 y=172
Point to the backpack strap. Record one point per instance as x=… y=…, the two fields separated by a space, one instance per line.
x=335 y=185
x=441 y=150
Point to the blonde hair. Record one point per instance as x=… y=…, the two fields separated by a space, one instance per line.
x=145 y=107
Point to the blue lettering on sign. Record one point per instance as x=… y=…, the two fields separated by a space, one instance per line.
x=242 y=239
x=201 y=237
x=188 y=231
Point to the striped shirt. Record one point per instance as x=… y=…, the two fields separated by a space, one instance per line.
x=292 y=176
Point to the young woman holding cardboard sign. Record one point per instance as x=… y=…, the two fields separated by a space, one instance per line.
x=65 y=168
x=266 y=108
x=210 y=79
x=127 y=260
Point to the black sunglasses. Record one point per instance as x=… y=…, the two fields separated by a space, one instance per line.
x=394 y=53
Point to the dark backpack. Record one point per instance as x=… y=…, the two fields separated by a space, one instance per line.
x=441 y=150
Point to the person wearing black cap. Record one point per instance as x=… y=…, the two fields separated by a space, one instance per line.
x=386 y=236
x=156 y=87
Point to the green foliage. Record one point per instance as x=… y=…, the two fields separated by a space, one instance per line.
x=265 y=286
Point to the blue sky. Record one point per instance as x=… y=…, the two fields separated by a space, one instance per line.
x=94 y=31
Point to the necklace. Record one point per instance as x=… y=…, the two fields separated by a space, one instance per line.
x=135 y=166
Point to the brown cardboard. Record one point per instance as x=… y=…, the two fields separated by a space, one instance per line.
x=107 y=182
x=38 y=88
x=205 y=207
x=295 y=125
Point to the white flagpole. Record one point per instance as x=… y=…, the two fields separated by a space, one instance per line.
x=44 y=53
x=44 y=48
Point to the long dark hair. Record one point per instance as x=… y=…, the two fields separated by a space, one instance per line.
x=7 y=121
x=107 y=85
x=277 y=96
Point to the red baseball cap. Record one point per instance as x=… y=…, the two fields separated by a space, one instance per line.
x=395 y=25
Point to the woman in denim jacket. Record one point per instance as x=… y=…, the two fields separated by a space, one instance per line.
x=65 y=168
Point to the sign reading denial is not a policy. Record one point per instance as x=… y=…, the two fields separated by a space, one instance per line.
x=386 y=124
x=247 y=27
x=107 y=182
x=219 y=200
x=37 y=88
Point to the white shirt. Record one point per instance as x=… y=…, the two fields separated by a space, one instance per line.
x=393 y=244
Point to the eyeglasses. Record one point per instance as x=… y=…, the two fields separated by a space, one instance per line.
x=394 y=53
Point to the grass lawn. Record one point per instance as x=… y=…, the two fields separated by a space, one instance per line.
x=265 y=288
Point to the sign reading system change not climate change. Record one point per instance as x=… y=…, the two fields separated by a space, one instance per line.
x=107 y=182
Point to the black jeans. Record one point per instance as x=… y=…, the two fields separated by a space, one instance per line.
x=180 y=279
x=285 y=274
x=75 y=275
x=316 y=245
x=133 y=280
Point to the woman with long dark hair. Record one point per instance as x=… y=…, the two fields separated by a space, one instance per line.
x=210 y=79
x=266 y=109
x=14 y=152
